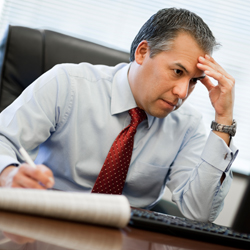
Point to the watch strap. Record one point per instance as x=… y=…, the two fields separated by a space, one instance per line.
x=229 y=129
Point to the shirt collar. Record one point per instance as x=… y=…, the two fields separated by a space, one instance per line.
x=122 y=98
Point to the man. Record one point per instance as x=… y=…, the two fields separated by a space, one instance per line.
x=69 y=118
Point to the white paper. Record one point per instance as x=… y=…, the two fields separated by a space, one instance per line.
x=109 y=210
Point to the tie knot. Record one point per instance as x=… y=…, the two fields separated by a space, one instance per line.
x=137 y=116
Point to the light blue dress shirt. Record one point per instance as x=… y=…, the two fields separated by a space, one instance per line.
x=69 y=117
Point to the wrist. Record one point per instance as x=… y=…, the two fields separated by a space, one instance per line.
x=222 y=130
x=4 y=174
x=225 y=120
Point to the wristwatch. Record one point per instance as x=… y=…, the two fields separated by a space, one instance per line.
x=231 y=130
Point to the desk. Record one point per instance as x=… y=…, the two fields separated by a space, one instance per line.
x=19 y=231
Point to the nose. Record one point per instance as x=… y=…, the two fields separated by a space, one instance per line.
x=181 y=89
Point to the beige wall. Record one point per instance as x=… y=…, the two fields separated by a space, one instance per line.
x=231 y=202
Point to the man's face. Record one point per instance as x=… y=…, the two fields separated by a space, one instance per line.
x=161 y=84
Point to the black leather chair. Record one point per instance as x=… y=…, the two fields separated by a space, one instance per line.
x=27 y=53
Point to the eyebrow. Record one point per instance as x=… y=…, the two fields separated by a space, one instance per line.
x=196 y=78
x=181 y=66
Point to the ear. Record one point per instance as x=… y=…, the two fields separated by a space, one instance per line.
x=141 y=51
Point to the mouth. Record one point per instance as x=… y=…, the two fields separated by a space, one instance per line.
x=173 y=105
x=168 y=106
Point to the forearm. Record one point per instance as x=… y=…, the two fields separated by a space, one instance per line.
x=198 y=191
x=203 y=195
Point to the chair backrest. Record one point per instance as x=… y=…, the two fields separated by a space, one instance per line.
x=27 y=53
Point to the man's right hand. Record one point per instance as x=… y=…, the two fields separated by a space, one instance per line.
x=26 y=176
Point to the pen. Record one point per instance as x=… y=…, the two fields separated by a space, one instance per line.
x=27 y=157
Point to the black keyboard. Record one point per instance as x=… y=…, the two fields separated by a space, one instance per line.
x=181 y=227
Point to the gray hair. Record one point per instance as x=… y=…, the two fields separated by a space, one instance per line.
x=163 y=27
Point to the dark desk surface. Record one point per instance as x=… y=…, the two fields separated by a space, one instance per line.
x=26 y=232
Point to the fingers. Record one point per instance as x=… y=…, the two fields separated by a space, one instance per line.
x=207 y=83
x=210 y=63
x=222 y=94
x=46 y=177
x=214 y=70
x=26 y=176
x=41 y=175
x=23 y=181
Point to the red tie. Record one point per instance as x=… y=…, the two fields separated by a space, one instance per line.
x=112 y=176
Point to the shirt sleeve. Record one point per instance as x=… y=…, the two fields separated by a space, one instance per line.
x=33 y=116
x=197 y=190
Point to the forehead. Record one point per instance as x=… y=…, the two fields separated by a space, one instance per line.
x=185 y=36
x=185 y=43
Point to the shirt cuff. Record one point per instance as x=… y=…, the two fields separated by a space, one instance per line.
x=218 y=154
x=7 y=161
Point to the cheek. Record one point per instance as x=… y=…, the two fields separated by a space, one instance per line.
x=155 y=85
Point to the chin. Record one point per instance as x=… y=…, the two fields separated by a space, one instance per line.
x=160 y=114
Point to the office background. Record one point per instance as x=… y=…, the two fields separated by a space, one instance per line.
x=114 y=23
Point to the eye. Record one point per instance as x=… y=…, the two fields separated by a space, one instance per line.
x=178 y=72
x=193 y=80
